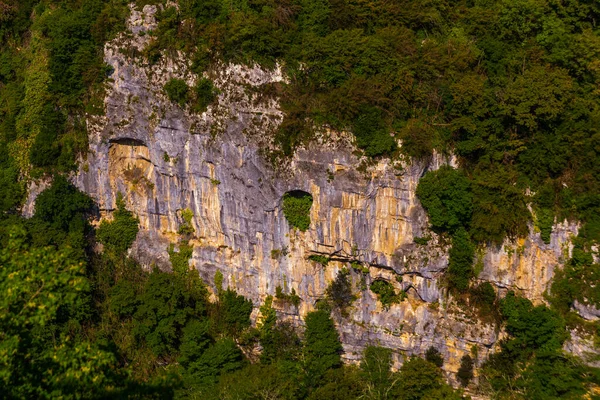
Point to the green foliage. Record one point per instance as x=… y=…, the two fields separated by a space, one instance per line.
x=531 y=360
x=339 y=291
x=322 y=347
x=434 y=356
x=186 y=228
x=118 y=235
x=376 y=368
x=290 y=298
x=296 y=209
x=12 y=192
x=386 y=293
x=446 y=196
x=483 y=297
x=204 y=94
x=318 y=258
x=371 y=133
x=422 y=241
x=460 y=263
x=576 y=281
x=220 y=358
x=166 y=306
x=420 y=379
x=177 y=91
x=544 y=222
x=180 y=260
x=44 y=290
x=465 y=372
x=532 y=327
x=232 y=314
x=62 y=204
x=279 y=341
x=219 y=281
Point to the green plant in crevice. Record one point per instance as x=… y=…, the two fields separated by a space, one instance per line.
x=386 y=293
x=434 y=356
x=339 y=292
x=319 y=258
x=177 y=91
x=296 y=209
x=288 y=298
x=186 y=228
x=460 y=263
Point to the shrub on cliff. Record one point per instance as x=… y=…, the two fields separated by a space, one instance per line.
x=465 y=372
x=296 y=209
x=386 y=293
x=118 y=235
x=339 y=292
x=204 y=94
x=446 y=196
x=460 y=263
x=177 y=91
x=434 y=356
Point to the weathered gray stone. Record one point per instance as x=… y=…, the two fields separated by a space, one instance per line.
x=165 y=159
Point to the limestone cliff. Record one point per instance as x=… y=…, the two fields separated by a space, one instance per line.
x=165 y=160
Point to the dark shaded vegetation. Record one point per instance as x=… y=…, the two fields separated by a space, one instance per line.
x=510 y=87
x=340 y=293
x=531 y=360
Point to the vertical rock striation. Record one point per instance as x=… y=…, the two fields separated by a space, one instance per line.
x=165 y=159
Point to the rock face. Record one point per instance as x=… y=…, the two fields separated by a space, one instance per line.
x=165 y=160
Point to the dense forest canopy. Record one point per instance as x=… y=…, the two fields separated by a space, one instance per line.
x=511 y=87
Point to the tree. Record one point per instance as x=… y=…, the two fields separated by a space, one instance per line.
x=375 y=367
x=322 y=347
x=42 y=290
x=339 y=292
x=465 y=372
x=166 y=305
x=62 y=205
x=446 y=196
x=418 y=378
x=434 y=356
x=118 y=235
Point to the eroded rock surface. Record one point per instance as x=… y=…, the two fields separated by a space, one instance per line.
x=165 y=160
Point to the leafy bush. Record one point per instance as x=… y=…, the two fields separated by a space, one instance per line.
x=165 y=307
x=434 y=356
x=386 y=293
x=339 y=292
x=118 y=235
x=232 y=313
x=290 y=298
x=465 y=372
x=186 y=228
x=460 y=263
x=296 y=209
x=544 y=222
x=62 y=205
x=318 y=258
x=371 y=133
x=446 y=196
x=204 y=94
x=177 y=91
